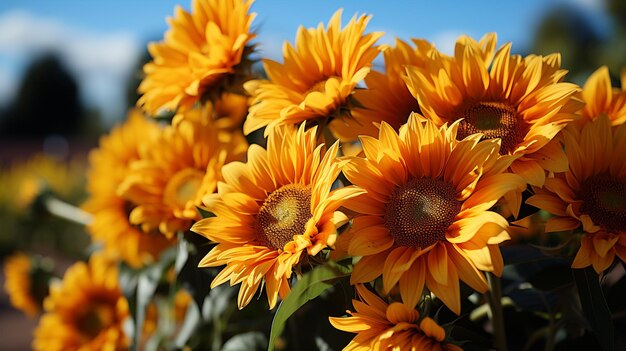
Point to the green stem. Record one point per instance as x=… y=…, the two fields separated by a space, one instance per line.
x=494 y=297
x=67 y=211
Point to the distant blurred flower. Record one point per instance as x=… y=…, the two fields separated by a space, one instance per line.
x=109 y=165
x=24 y=181
x=176 y=170
x=85 y=311
x=317 y=79
x=272 y=210
x=25 y=283
x=395 y=326
x=425 y=218
x=204 y=52
x=522 y=101
x=592 y=192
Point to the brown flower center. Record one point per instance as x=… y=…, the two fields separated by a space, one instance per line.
x=95 y=319
x=604 y=200
x=284 y=214
x=493 y=120
x=419 y=212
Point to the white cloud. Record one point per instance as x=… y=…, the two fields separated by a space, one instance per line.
x=445 y=41
x=100 y=62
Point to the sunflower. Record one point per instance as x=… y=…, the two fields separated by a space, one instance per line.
x=425 y=218
x=204 y=52
x=272 y=211
x=395 y=326
x=519 y=100
x=176 y=169
x=85 y=311
x=22 y=182
x=387 y=97
x=601 y=98
x=591 y=194
x=227 y=112
x=26 y=284
x=317 y=79
x=109 y=165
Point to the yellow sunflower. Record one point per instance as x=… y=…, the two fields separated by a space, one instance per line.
x=85 y=311
x=109 y=165
x=204 y=52
x=601 y=98
x=22 y=182
x=387 y=97
x=591 y=194
x=395 y=326
x=176 y=169
x=520 y=100
x=227 y=112
x=272 y=211
x=425 y=218
x=20 y=286
x=316 y=81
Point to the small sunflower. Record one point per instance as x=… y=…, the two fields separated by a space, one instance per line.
x=25 y=284
x=522 y=101
x=395 y=326
x=591 y=194
x=425 y=218
x=176 y=169
x=109 y=165
x=204 y=52
x=85 y=311
x=601 y=98
x=272 y=211
x=23 y=181
x=387 y=97
x=317 y=79
x=227 y=112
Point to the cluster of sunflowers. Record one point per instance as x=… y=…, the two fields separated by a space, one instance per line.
x=404 y=181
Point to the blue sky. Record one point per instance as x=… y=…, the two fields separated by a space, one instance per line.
x=101 y=40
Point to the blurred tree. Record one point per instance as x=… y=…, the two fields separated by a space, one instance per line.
x=47 y=102
x=568 y=31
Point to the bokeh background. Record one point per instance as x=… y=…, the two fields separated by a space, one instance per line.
x=69 y=70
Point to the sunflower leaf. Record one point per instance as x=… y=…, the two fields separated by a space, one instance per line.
x=310 y=286
x=595 y=307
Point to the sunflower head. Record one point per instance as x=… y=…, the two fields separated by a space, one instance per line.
x=602 y=98
x=109 y=165
x=591 y=194
x=394 y=326
x=424 y=218
x=204 y=52
x=176 y=170
x=316 y=81
x=85 y=311
x=387 y=97
x=273 y=210
x=521 y=101
x=26 y=282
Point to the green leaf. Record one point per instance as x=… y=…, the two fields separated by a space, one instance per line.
x=192 y=319
x=595 y=307
x=204 y=213
x=246 y=342
x=310 y=286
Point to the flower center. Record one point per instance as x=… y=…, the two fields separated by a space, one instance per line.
x=493 y=120
x=604 y=200
x=419 y=212
x=96 y=318
x=183 y=187
x=284 y=214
